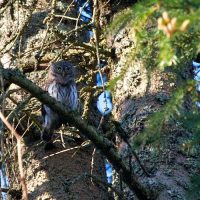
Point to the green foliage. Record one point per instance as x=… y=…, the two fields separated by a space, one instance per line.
x=191 y=121
x=142 y=19
x=161 y=49
x=155 y=49
x=135 y=17
x=120 y=21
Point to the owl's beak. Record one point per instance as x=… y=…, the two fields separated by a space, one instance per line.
x=63 y=74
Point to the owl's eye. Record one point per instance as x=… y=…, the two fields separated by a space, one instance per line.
x=59 y=68
x=67 y=69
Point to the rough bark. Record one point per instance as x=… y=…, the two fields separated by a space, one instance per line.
x=62 y=173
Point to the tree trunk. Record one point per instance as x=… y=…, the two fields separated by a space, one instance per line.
x=64 y=173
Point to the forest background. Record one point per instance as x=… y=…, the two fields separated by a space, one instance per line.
x=151 y=137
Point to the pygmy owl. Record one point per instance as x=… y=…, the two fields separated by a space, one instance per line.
x=60 y=85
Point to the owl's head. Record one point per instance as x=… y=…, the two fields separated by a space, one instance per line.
x=62 y=72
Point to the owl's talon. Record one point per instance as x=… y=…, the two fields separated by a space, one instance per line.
x=46 y=136
x=49 y=146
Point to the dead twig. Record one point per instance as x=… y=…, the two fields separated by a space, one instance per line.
x=86 y=144
x=19 y=153
x=66 y=17
x=92 y=164
x=80 y=12
x=63 y=16
x=17 y=35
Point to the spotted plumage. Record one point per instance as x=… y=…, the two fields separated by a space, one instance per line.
x=60 y=85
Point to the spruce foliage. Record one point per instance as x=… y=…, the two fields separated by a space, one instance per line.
x=167 y=35
x=157 y=50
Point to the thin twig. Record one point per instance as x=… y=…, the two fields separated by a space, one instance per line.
x=96 y=38
x=2 y=135
x=66 y=17
x=28 y=114
x=119 y=193
x=4 y=7
x=68 y=7
x=101 y=122
x=123 y=135
x=83 y=144
x=13 y=40
x=95 y=20
x=68 y=33
x=66 y=150
x=19 y=153
x=80 y=12
x=92 y=164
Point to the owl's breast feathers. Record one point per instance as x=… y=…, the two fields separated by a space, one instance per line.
x=61 y=86
x=66 y=94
